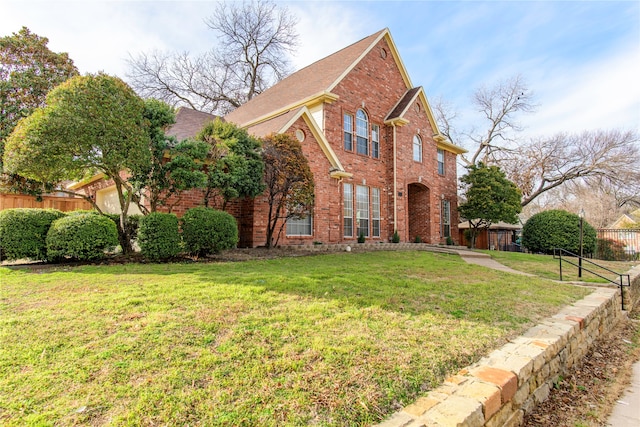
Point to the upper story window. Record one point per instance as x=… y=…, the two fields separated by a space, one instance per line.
x=348 y=132
x=417 y=148
x=375 y=141
x=440 y=161
x=362 y=133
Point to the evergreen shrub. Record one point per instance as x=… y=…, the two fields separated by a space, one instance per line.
x=551 y=229
x=23 y=232
x=158 y=236
x=208 y=231
x=82 y=237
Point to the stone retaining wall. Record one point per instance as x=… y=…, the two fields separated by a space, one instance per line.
x=632 y=295
x=501 y=388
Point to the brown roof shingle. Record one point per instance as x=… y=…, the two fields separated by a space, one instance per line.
x=188 y=123
x=311 y=80
x=404 y=103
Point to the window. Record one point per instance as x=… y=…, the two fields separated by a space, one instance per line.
x=362 y=133
x=375 y=141
x=440 y=161
x=446 y=218
x=348 y=132
x=362 y=210
x=375 y=212
x=347 y=215
x=300 y=226
x=417 y=148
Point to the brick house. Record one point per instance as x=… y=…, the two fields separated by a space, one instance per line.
x=377 y=156
x=378 y=159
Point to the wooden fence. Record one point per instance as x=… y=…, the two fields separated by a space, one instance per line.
x=65 y=204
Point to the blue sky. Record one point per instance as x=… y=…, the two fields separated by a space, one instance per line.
x=581 y=59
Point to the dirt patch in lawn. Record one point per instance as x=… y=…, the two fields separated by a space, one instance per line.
x=587 y=395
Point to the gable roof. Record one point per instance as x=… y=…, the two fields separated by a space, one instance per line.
x=310 y=84
x=403 y=104
x=189 y=123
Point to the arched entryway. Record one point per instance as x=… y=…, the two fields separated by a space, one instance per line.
x=419 y=211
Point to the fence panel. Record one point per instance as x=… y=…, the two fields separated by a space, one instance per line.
x=65 y=204
x=618 y=244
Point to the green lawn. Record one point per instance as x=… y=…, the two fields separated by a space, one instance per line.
x=340 y=339
x=548 y=267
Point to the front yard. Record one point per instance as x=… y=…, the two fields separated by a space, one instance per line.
x=340 y=339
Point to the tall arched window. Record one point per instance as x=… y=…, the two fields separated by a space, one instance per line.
x=417 y=148
x=362 y=133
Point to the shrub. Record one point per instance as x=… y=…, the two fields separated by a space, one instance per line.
x=547 y=230
x=450 y=241
x=396 y=237
x=610 y=250
x=207 y=231
x=158 y=236
x=23 y=232
x=81 y=237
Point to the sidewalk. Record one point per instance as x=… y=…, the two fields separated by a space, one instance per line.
x=626 y=412
x=485 y=260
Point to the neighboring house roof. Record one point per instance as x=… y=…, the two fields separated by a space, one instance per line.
x=497 y=226
x=189 y=123
x=627 y=220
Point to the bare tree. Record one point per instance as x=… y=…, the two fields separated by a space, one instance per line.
x=602 y=157
x=498 y=105
x=255 y=40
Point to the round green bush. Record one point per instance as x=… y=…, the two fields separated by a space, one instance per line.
x=23 y=232
x=207 y=231
x=547 y=230
x=158 y=236
x=84 y=236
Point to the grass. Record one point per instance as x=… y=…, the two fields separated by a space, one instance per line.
x=340 y=339
x=548 y=267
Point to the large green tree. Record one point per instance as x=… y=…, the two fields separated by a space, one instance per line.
x=90 y=124
x=234 y=166
x=289 y=181
x=490 y=198
x=174 y=167
x=28 y=71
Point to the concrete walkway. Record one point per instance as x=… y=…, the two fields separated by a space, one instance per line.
x=480 y=258
x=626 y=412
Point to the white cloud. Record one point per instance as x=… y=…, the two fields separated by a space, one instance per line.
x=325 y=27
x=602 y=94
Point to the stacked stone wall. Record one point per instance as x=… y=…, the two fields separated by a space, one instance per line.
x=500 y=389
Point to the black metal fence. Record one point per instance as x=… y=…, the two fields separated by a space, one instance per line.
x=618 y=244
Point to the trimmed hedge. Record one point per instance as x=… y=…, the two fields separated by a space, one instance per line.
x=547 y=230
x=208 y=231
x=23 y=232
x=158 y=236
x=84 y=236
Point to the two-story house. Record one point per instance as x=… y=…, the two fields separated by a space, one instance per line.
x=379 y=161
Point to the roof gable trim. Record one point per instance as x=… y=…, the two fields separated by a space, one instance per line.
x=337 y=170
x=308 y=102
